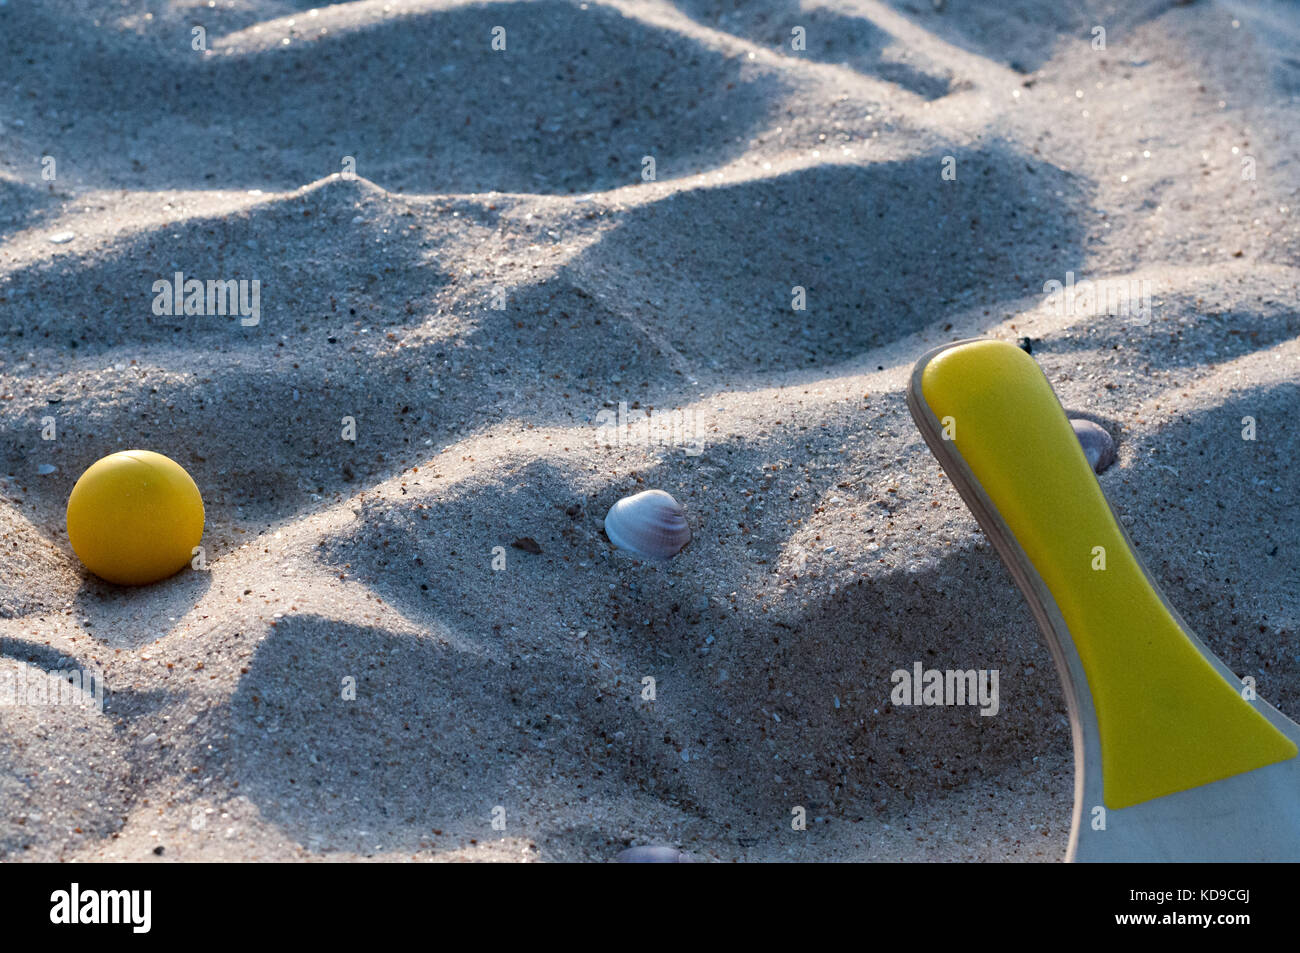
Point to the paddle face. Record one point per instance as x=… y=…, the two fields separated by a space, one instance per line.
x=1249 y=817
x=1166 y=744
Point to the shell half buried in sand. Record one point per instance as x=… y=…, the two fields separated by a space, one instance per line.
x=650 y=524
x=1098 y=445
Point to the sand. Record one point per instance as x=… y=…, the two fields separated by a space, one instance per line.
x=493 y=282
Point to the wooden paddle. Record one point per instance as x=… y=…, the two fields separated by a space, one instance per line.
x=1175 y=759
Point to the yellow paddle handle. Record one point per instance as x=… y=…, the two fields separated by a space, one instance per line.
x=1166 y=718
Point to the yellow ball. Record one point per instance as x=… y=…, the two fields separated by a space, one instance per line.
x=135 y=517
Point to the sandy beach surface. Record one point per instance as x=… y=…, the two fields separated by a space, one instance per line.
x=464 y=250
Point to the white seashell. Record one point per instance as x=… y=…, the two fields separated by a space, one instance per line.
x=654 y=854
x=1098 y=445
x=650 y=524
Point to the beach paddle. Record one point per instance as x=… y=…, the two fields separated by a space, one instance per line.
x=1175 y=758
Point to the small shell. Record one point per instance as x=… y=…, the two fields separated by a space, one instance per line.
x=1097 y=444
x=651 y=524
x=654 y=855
